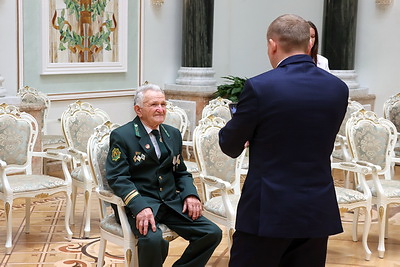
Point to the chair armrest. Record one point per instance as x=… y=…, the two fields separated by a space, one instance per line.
x=362 y=168
x=216 y=182
x=352 y=167
x=3 y=177
x=78 y=155
x=52 y=154
x=109 y=197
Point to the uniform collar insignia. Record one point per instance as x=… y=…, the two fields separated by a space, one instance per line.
x=136 y=129
x=165 y=130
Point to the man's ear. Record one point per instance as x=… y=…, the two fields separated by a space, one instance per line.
x=310 y=44
x=272 y=45
x=137 y=110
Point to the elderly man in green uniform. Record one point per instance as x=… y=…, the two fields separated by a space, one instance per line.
x=145 y=168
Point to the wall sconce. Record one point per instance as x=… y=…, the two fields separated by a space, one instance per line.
x=157 y=2
x=383 y=2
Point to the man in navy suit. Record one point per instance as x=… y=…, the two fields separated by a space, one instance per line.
x=289 y=118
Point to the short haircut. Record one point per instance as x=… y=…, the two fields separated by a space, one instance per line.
x=138 y=99
x=292 y=32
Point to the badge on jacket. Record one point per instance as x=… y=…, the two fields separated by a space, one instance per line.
x=139 y=156
x=115 y=154
x=176 y=161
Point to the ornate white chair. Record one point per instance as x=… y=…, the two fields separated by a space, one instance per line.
x=372 y=139
x=177 y=117
x=219 y=107
x=391 y=111
x=110 y=230
x=18 y=132
x=341 y=151
x=33 y=96
x=350 y=199
x=219 y=174
x=78 y=122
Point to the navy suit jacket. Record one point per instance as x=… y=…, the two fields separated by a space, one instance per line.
x=290 y=115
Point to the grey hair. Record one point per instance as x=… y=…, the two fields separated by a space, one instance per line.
x=138 y=99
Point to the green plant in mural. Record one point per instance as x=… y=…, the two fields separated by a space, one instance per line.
x=84 y=40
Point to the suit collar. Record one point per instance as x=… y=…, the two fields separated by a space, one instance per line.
x=296 y=59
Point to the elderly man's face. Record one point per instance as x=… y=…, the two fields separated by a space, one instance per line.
x=153 y=112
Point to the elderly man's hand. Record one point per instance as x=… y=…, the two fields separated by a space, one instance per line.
x=144 y=219
x=193 y=206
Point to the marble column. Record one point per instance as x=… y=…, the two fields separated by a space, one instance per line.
x=339 y=33
x=197 y=33
x=339 y=43
x=195 y=81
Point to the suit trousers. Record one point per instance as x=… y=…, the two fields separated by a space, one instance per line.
x=202 y=234
x=257 y=251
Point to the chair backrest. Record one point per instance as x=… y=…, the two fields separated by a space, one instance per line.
x=30 y=95
x=177 y=118
x=391 y=110
x=78 y=122
x=97 y=150
x=219 y=107
x=18 y=133
x=209 y=156
x=352 y=107
x=371 y=139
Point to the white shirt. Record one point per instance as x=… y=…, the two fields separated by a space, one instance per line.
x=153 y=139
x=322 y=62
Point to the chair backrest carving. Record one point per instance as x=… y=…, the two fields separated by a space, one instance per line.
x=78 y=122
x=371 y=139
x=18 y=133
x=218 y=107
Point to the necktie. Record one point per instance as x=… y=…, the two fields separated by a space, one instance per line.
x=161 y=145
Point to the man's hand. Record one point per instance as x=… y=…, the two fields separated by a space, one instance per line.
x=143 y=219
x=193 y=206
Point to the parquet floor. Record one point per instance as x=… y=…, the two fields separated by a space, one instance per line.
x=46 y=245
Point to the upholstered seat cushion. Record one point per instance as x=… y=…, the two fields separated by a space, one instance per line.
x=77 y=174
x=191 y=167
x=24 y=183
x=216 y=206
x=338 y=154
x=391 y=188
x=348 y=196
x=109 y=224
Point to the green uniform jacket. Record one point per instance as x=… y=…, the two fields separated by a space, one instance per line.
x=135 y=174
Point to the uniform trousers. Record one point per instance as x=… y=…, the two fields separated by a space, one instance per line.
x=257 y=251
x=202 y=234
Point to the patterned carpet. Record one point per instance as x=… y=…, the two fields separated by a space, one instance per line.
x=46 y=244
